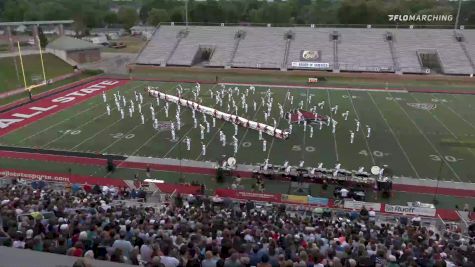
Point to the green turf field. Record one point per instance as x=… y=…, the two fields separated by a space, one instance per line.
x=9 y=66
x=412 y=141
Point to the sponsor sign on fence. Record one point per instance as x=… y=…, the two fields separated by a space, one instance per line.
x=310 y=65
x=320 y=201
x=248 y=195
x=357 y=205
x=294 y=199
x=410 y=210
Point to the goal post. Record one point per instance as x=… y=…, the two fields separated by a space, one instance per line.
x=34 y=84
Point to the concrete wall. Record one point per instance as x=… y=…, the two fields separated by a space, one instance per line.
x=85 y=56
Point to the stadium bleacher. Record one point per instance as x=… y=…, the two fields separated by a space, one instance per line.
x=469 y=43
x=311 y=39
x=267 y=46
x=106 y=223
x=409 y=41
x=361 y=50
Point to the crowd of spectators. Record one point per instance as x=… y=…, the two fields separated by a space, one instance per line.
x=196 y=231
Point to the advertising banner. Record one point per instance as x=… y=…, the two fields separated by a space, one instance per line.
x=357 y=205
x=310 y=65
x=294 y=199
x=410 y=210
x=320 y=201
x=256 y=196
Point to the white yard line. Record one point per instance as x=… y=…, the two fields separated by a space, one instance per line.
x=334 y=134
x=443 y=125
x=457 y=114
x=319 y=87
x=304 y=141
x=394 y=136
x=77 y=128
x=214 y=135
x=186 y=134
x=361 y=132
x=427 y=139
x=58 y=123
x=128 y=132
x=278 y=122
x=84 y=124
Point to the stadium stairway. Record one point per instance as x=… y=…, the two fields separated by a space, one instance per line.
x=467 y=54
x=392 y=50
x=182 y=34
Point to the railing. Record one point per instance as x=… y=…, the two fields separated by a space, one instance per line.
x=233 y=53
x=335 y=55
x=467 y=54
x=146 y=44
x=286 y=53
x=392 y=50
x=249 y=24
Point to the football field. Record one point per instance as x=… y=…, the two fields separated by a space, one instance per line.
x=417 y=135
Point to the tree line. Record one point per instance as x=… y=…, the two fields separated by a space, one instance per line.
x=100 y=13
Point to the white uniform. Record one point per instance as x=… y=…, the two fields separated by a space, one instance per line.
x=142 y=118
x=264 y=145
x=188 y=143
x=108 y=108
x=203 y=150
x=202 y=131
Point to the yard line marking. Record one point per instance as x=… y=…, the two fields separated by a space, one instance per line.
x=67 y=119
x=394 y=136
x=278 y=122
x=427 y=139
x=457 y=114
x=129 y=131
x=146 y=142
x=214 y=135
x=212 y=138
x=304 y=141
x=186 y=134
x=86 y=123
x=361 y=132
x=443 y=124
x=334 y=134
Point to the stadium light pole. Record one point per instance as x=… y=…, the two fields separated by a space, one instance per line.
x=458 y=15
x=186 y=13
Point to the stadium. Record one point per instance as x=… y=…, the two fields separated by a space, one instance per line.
x=236 y=144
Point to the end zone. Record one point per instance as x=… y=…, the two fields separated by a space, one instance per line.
x=31 y=112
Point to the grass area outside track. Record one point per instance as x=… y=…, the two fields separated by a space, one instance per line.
x=398 y=198
x=134 y=45
x=9 y=80
x=406 y=138
x=42 y=89
x=380 y=81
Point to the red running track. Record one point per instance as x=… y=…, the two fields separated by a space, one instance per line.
x=206 y=171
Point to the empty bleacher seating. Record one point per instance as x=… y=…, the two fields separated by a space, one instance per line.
x=363 y=50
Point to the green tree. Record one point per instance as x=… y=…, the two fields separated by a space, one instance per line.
x=111 y=18
x=127 y=16
x=156 y=16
